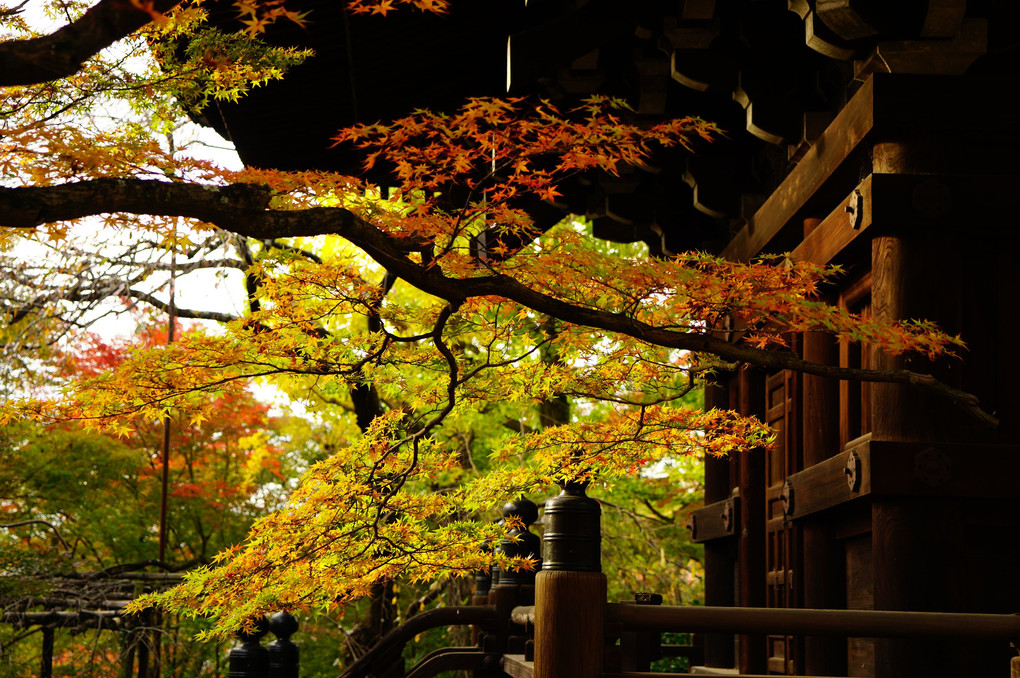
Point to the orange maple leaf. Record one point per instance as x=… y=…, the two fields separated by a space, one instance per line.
x=383 y=8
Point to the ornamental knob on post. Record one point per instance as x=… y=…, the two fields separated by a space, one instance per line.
x=483 y=584
x=570 y=591
x=283 y=653
x=521 y=543
x=573 y=531
x=250 y=659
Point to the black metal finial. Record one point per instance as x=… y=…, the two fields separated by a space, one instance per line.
x=283 y=653
x=572 y=540
x=483 y=581
x=521 y=542
x=250 y=659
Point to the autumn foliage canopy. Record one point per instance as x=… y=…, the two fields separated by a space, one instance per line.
x=436 y=294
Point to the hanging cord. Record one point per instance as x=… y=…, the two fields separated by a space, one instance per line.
x=165 y=485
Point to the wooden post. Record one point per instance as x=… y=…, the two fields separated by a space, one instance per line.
x=46 y=663
x=917 y=276
x=517 y=587
x=893 y=417
x=142 y=653
x=719 y=553
x=823 y=573
x=483 y=584
x=751 y=398
x=570 y=591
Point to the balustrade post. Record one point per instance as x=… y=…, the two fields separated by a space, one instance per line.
x=483 y=584
x=521 y=543
x=517 y=587
x=570 y=590
x=480 y=596
x=283 y=653
x=250 y=659
x=46 y=660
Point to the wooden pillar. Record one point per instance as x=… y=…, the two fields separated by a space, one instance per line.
x=893 y=416
x=915 y=540
x=719 y=553
x=823 y=569
x=894 y=413
x=820 y=433
x=570 y=591
x=751 y=400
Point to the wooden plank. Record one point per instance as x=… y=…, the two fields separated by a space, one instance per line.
x=845 y=133
x=715 y=521
x=515 y=666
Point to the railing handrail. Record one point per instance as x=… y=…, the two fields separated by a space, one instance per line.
x=423 y=621
x=810 y=622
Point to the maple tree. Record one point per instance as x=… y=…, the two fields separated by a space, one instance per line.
x=76 y=503
x=421 y=312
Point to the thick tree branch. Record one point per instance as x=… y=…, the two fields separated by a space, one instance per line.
x=186 y=313
x=62 y=53
x=242 y=209
x=112 y=288
x=36 y=521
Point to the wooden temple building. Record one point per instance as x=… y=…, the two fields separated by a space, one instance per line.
x=872 y=134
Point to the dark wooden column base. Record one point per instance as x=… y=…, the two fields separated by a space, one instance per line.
x=569 y=624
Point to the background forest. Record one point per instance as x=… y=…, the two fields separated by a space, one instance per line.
x=383 y=365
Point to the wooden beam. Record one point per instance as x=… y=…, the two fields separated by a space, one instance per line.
x=841 y=138
x=897 y=469
x=906 y=201
x=714 y=521
x=938 y=57
x=837 y=480
x=851 y=217
x=921 y=469
x=886 y=106
x=101 y=619
x=795 y=622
